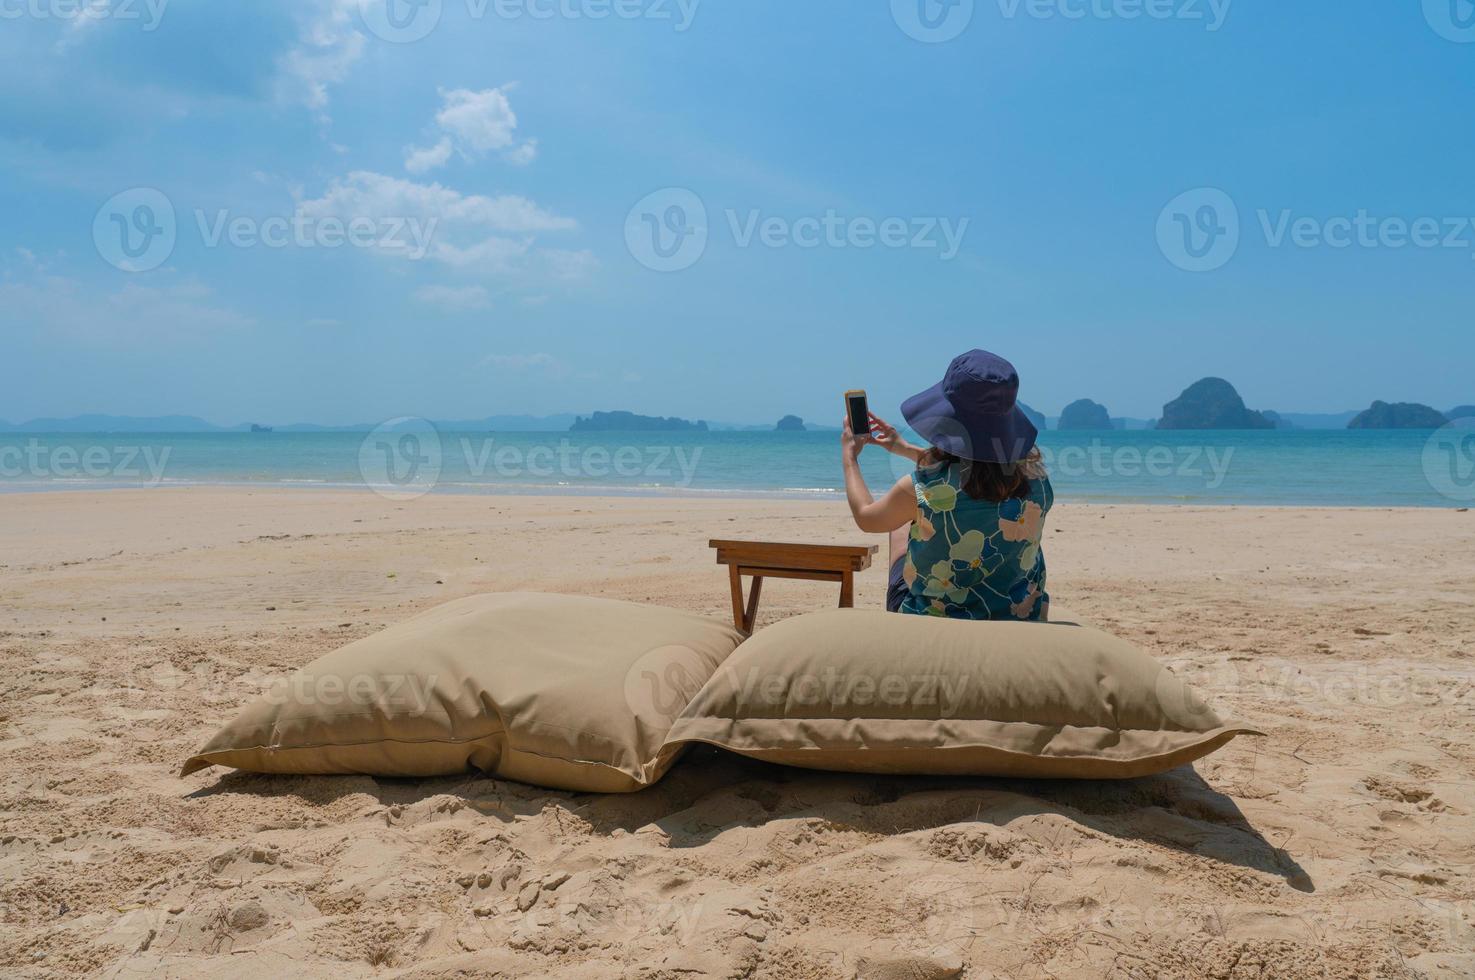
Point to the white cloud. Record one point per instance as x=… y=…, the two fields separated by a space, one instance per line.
x=522 y=154
x=567 y=264
x=328 y=46
x=366 y=194
x=454 y=299
x=420 y=160
x=473 y=124
x=497 y=254
x=478 y=120
x=162 y=307
x=493 y=235
x=89 y=14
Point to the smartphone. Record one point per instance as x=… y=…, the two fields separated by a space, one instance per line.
x=858 y=412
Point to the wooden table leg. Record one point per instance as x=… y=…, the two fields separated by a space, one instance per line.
x=847 y=590
x=736 y=578
x=751 y=619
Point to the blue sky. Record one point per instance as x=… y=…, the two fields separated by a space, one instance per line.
x=1021 y=160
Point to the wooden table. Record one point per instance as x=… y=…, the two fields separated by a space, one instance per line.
x=768 y=559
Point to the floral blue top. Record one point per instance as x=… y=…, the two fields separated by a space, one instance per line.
x=975 y=559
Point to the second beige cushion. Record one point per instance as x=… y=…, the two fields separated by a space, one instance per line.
x=869 y=691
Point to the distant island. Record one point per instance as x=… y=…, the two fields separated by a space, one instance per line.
x=1085 y=415
x=630 y=422
x=790 y=423
x=1278 y=420
x=1205 y=401
x=1401 y=415
x=1038 y=418
x=1211 y=403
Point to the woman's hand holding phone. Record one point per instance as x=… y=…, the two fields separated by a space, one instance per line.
x=884 y=434
x=850 y=443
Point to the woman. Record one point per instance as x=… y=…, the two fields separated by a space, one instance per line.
x=976 y=503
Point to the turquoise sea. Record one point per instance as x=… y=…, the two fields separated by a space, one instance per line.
x=1292 y=468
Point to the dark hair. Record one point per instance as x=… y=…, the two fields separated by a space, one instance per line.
x=997 y=482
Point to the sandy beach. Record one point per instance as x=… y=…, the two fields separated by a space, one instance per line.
x=133 y=623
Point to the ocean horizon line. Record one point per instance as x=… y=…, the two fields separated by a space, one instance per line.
x=1288 y=467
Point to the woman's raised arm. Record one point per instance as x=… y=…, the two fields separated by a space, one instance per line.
x=896 y=508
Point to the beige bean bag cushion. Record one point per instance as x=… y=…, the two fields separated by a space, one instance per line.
x=560 y=691
x=869 y=691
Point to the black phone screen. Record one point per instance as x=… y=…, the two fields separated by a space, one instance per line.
x=860 y=420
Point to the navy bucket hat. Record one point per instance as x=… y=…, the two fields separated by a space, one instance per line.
x=974 y=412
